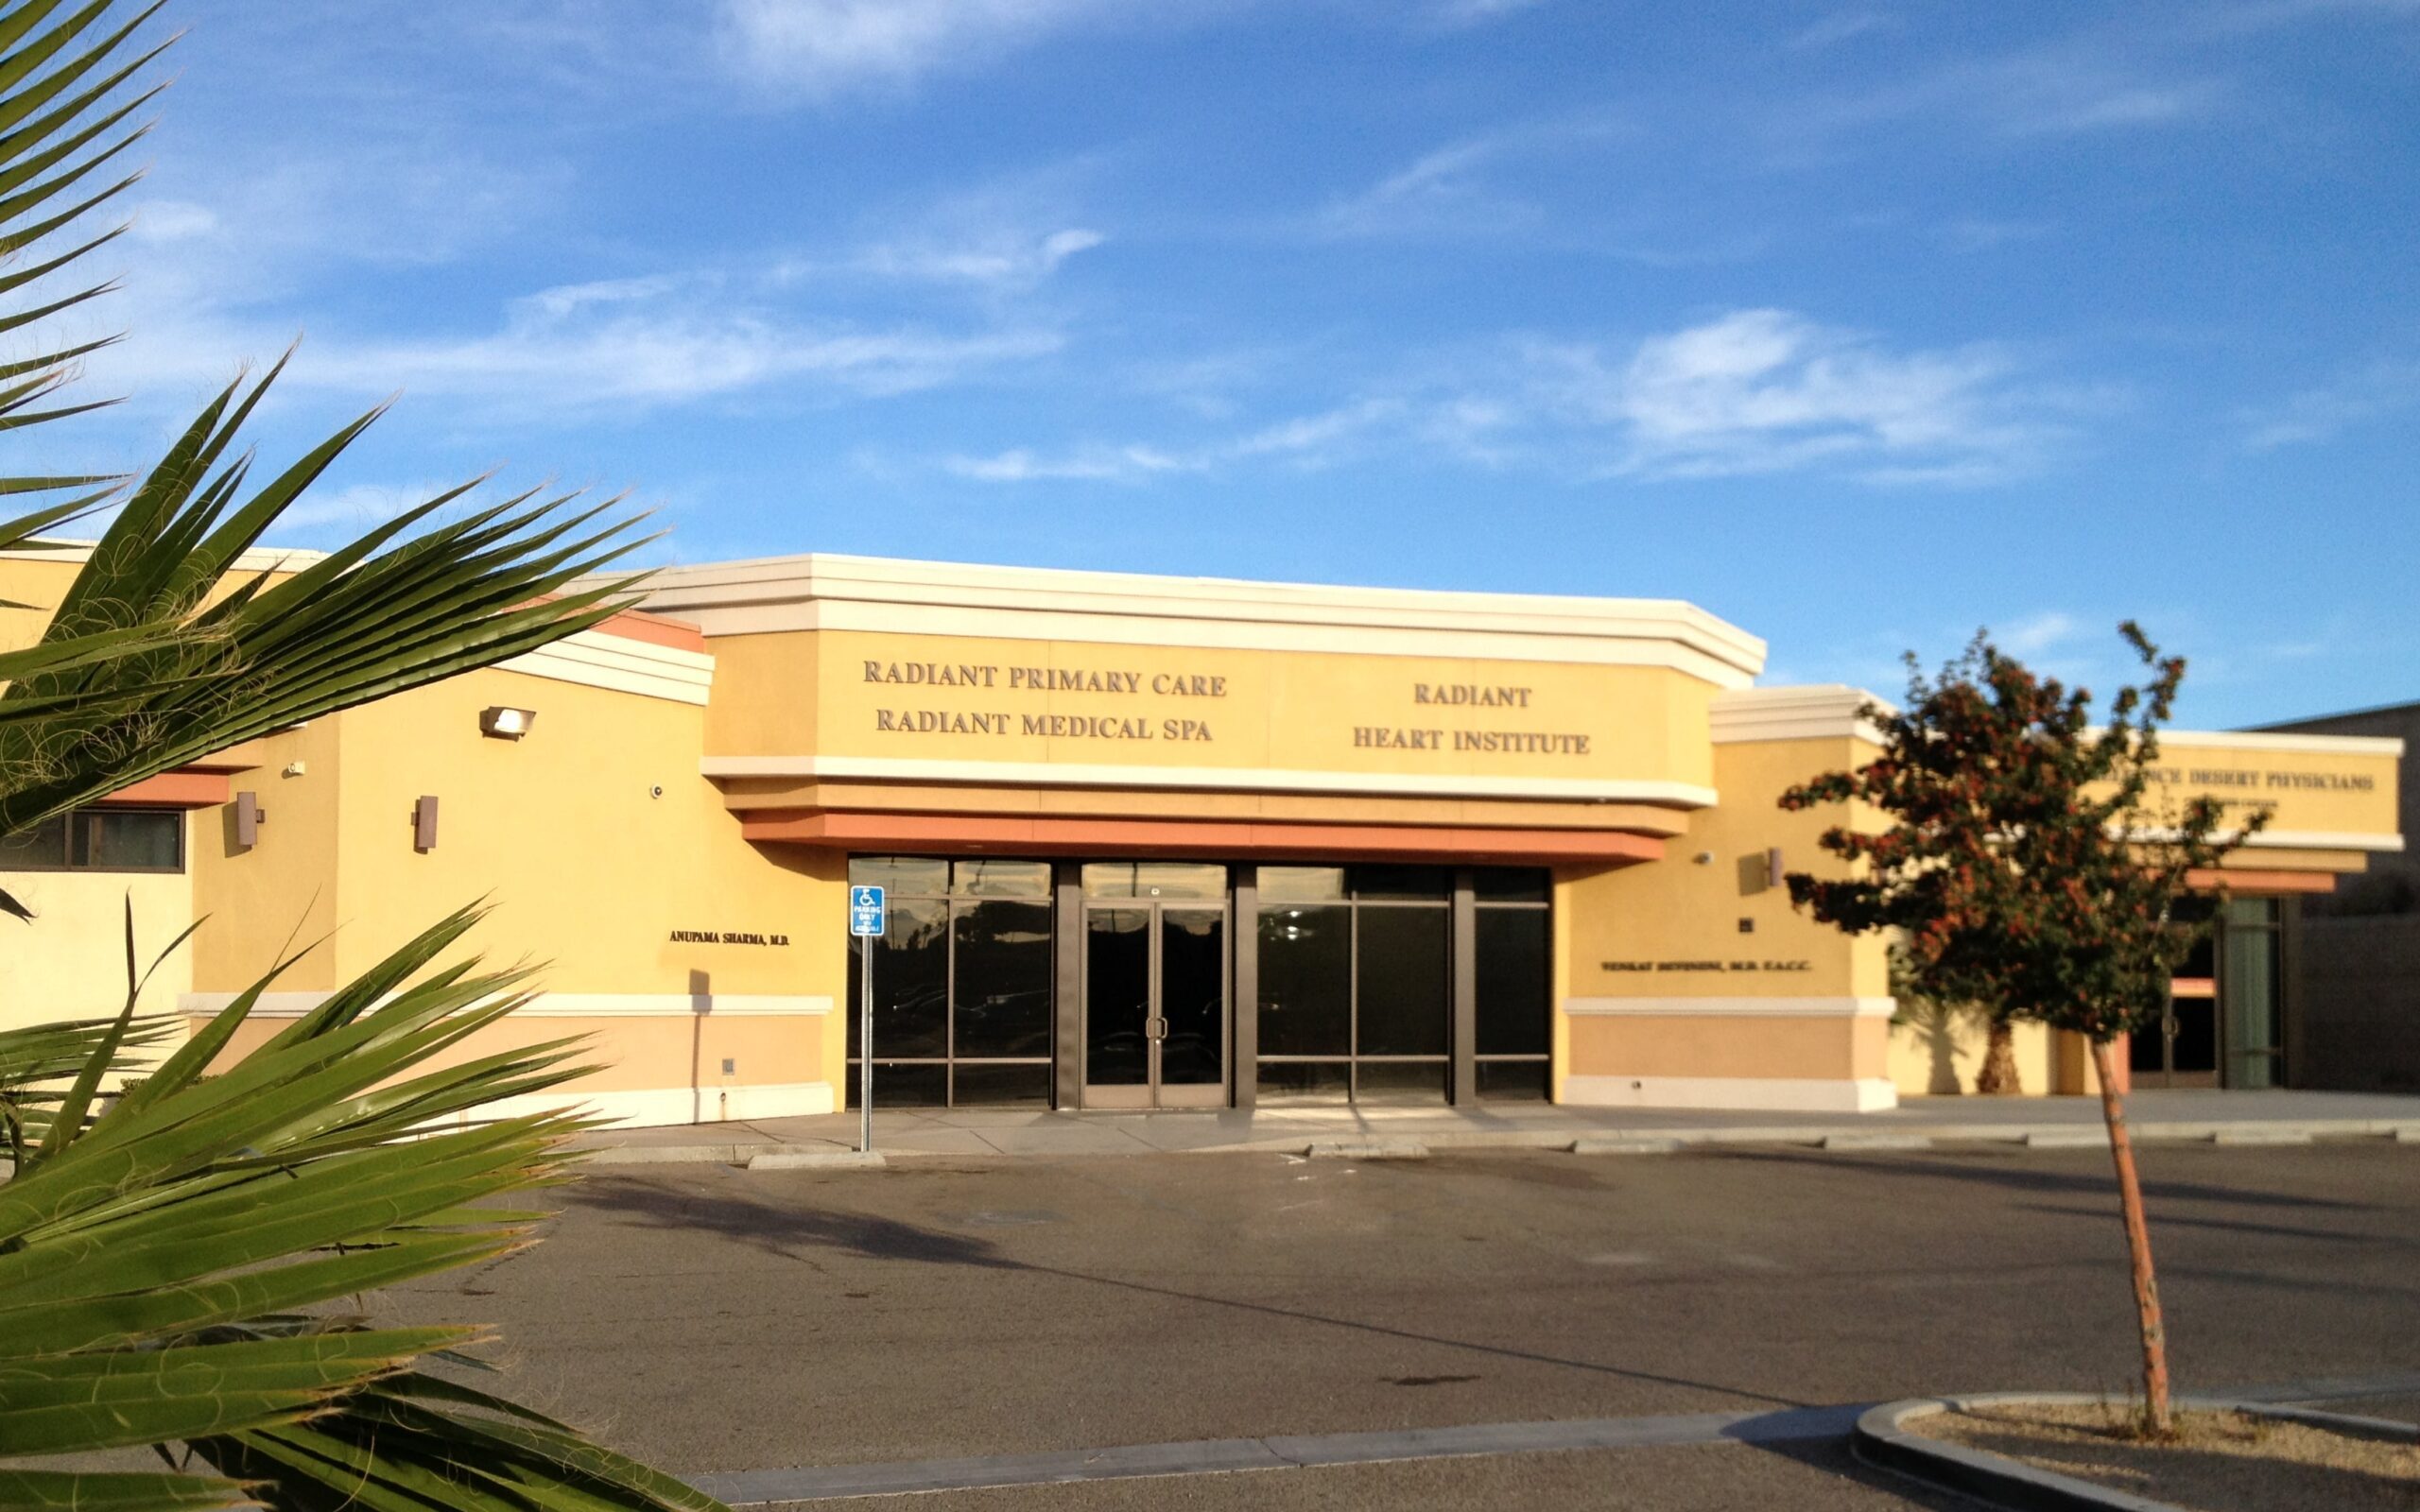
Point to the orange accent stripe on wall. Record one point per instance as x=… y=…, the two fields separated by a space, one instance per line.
x=2249 y=880
x=173 y=790
x=860 y=831
x=655 y=629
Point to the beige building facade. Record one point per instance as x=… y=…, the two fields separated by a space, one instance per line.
x=1147 y=842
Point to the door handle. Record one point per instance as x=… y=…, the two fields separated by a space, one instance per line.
x=1155 y=1028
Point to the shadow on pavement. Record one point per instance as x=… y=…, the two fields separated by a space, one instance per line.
x=780 y=1230
x=2027 y=1178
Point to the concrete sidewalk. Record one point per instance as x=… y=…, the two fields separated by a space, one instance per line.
x=2272 y=1117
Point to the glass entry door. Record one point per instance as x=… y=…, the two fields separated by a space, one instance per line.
x=1156 y=1005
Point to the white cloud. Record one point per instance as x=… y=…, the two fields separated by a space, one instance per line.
x=826 y=46
x=1837 y=28
x=358 y=505
x=1478 y=12
x=1122 y=464
x=1769 y=391
x=1459 y=187
x=1004 y=259
x=173 y=220
x=2323 y=413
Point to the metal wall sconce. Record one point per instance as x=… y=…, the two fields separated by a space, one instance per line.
x=424 y=823
x=502 y=722
x=248 y=820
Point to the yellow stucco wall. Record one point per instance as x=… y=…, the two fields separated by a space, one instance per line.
x=70 y=962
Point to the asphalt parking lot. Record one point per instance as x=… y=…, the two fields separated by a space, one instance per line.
x=716 y=1320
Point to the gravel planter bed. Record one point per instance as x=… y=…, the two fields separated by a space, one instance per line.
x=2043 y=1451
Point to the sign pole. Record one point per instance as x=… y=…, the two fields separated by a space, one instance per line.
x=868 y=921
x=865 y=1050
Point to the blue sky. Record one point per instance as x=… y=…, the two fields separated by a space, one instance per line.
x=1860 y=326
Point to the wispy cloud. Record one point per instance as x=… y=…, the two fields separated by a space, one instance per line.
x=1463 y=187
x=825 y=48
x=1459 y=13
x=2369 y=393
x=1750 y=392
x=1769 y=391
x=999 y=259
x=1837 y=28
x=2075 y=87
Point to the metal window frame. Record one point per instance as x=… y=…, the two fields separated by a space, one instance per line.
x=93 y=813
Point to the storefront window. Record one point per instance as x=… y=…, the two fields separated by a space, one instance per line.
x=962 y=982
x=1357 y=983
x=2248 y=993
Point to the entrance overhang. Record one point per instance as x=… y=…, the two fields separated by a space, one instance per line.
x=861 y=830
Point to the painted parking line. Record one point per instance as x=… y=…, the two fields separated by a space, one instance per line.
x=1298 y=1452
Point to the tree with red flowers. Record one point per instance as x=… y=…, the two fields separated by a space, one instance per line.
x=2029 y=864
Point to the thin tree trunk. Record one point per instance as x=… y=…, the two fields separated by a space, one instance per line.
x=1998 y=1077
x=2156 y=1416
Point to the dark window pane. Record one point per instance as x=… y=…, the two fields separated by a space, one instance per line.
x=1000 y=878
x=1407 y=883
x=1403 y=985
x=2253 y=911
x=1308 y=1081
x=1307 y=980
x=910 y=983
x=987 y=1086
x=133 y=838
x=1117 y=996
x=911 y=875
x=1302 y=884
x=45 y=845
x=1154 y=879
x=1003 y=986
x=1511 y=970
x=2197 y=1035
x=912 y=1084
x=1501 y=884
x=1512 y=1081
x=1398 y=1082
x=2146 y=1050
x=1193 y=997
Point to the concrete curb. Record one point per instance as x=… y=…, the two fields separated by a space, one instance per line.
x=1386 y=1149
x=1881 y=1439
x=796 y=1159
x=1647 y=1140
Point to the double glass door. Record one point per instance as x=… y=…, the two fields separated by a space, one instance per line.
x=1155 y=1003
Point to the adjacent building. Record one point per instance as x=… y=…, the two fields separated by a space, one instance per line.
x=1148 y=843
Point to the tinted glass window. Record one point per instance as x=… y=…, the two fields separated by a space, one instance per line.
x=900 y=874
x=1403 y=883
x=1403 y=981
x=1307 y=980
x=1309 y=884
x=1512 y=986
x=133 y=839
x=1000 y=878
x=910 y=985
x=1505 y=886
x=45 y=845
x=1004 y=979
x=1154 y=879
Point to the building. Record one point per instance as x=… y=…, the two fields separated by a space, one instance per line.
x=1150 y=842
x=2356 y=952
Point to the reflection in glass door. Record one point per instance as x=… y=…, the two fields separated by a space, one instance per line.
x=1155 y=1005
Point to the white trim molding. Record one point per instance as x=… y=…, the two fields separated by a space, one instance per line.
x=1732 y=1008
x=558 y=1005
x=824 y=591
x=622 y=664
x=1223 y=778
x=2263 y=740
x=1790 y=1094
x=2274 y=839
x=1830 y=711
x=660 y=1107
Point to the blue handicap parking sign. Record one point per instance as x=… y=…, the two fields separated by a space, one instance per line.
x=866 y=911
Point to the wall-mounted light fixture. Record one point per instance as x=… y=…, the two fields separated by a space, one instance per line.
x=504 y=723
x=248 y=820
x=424 y=823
